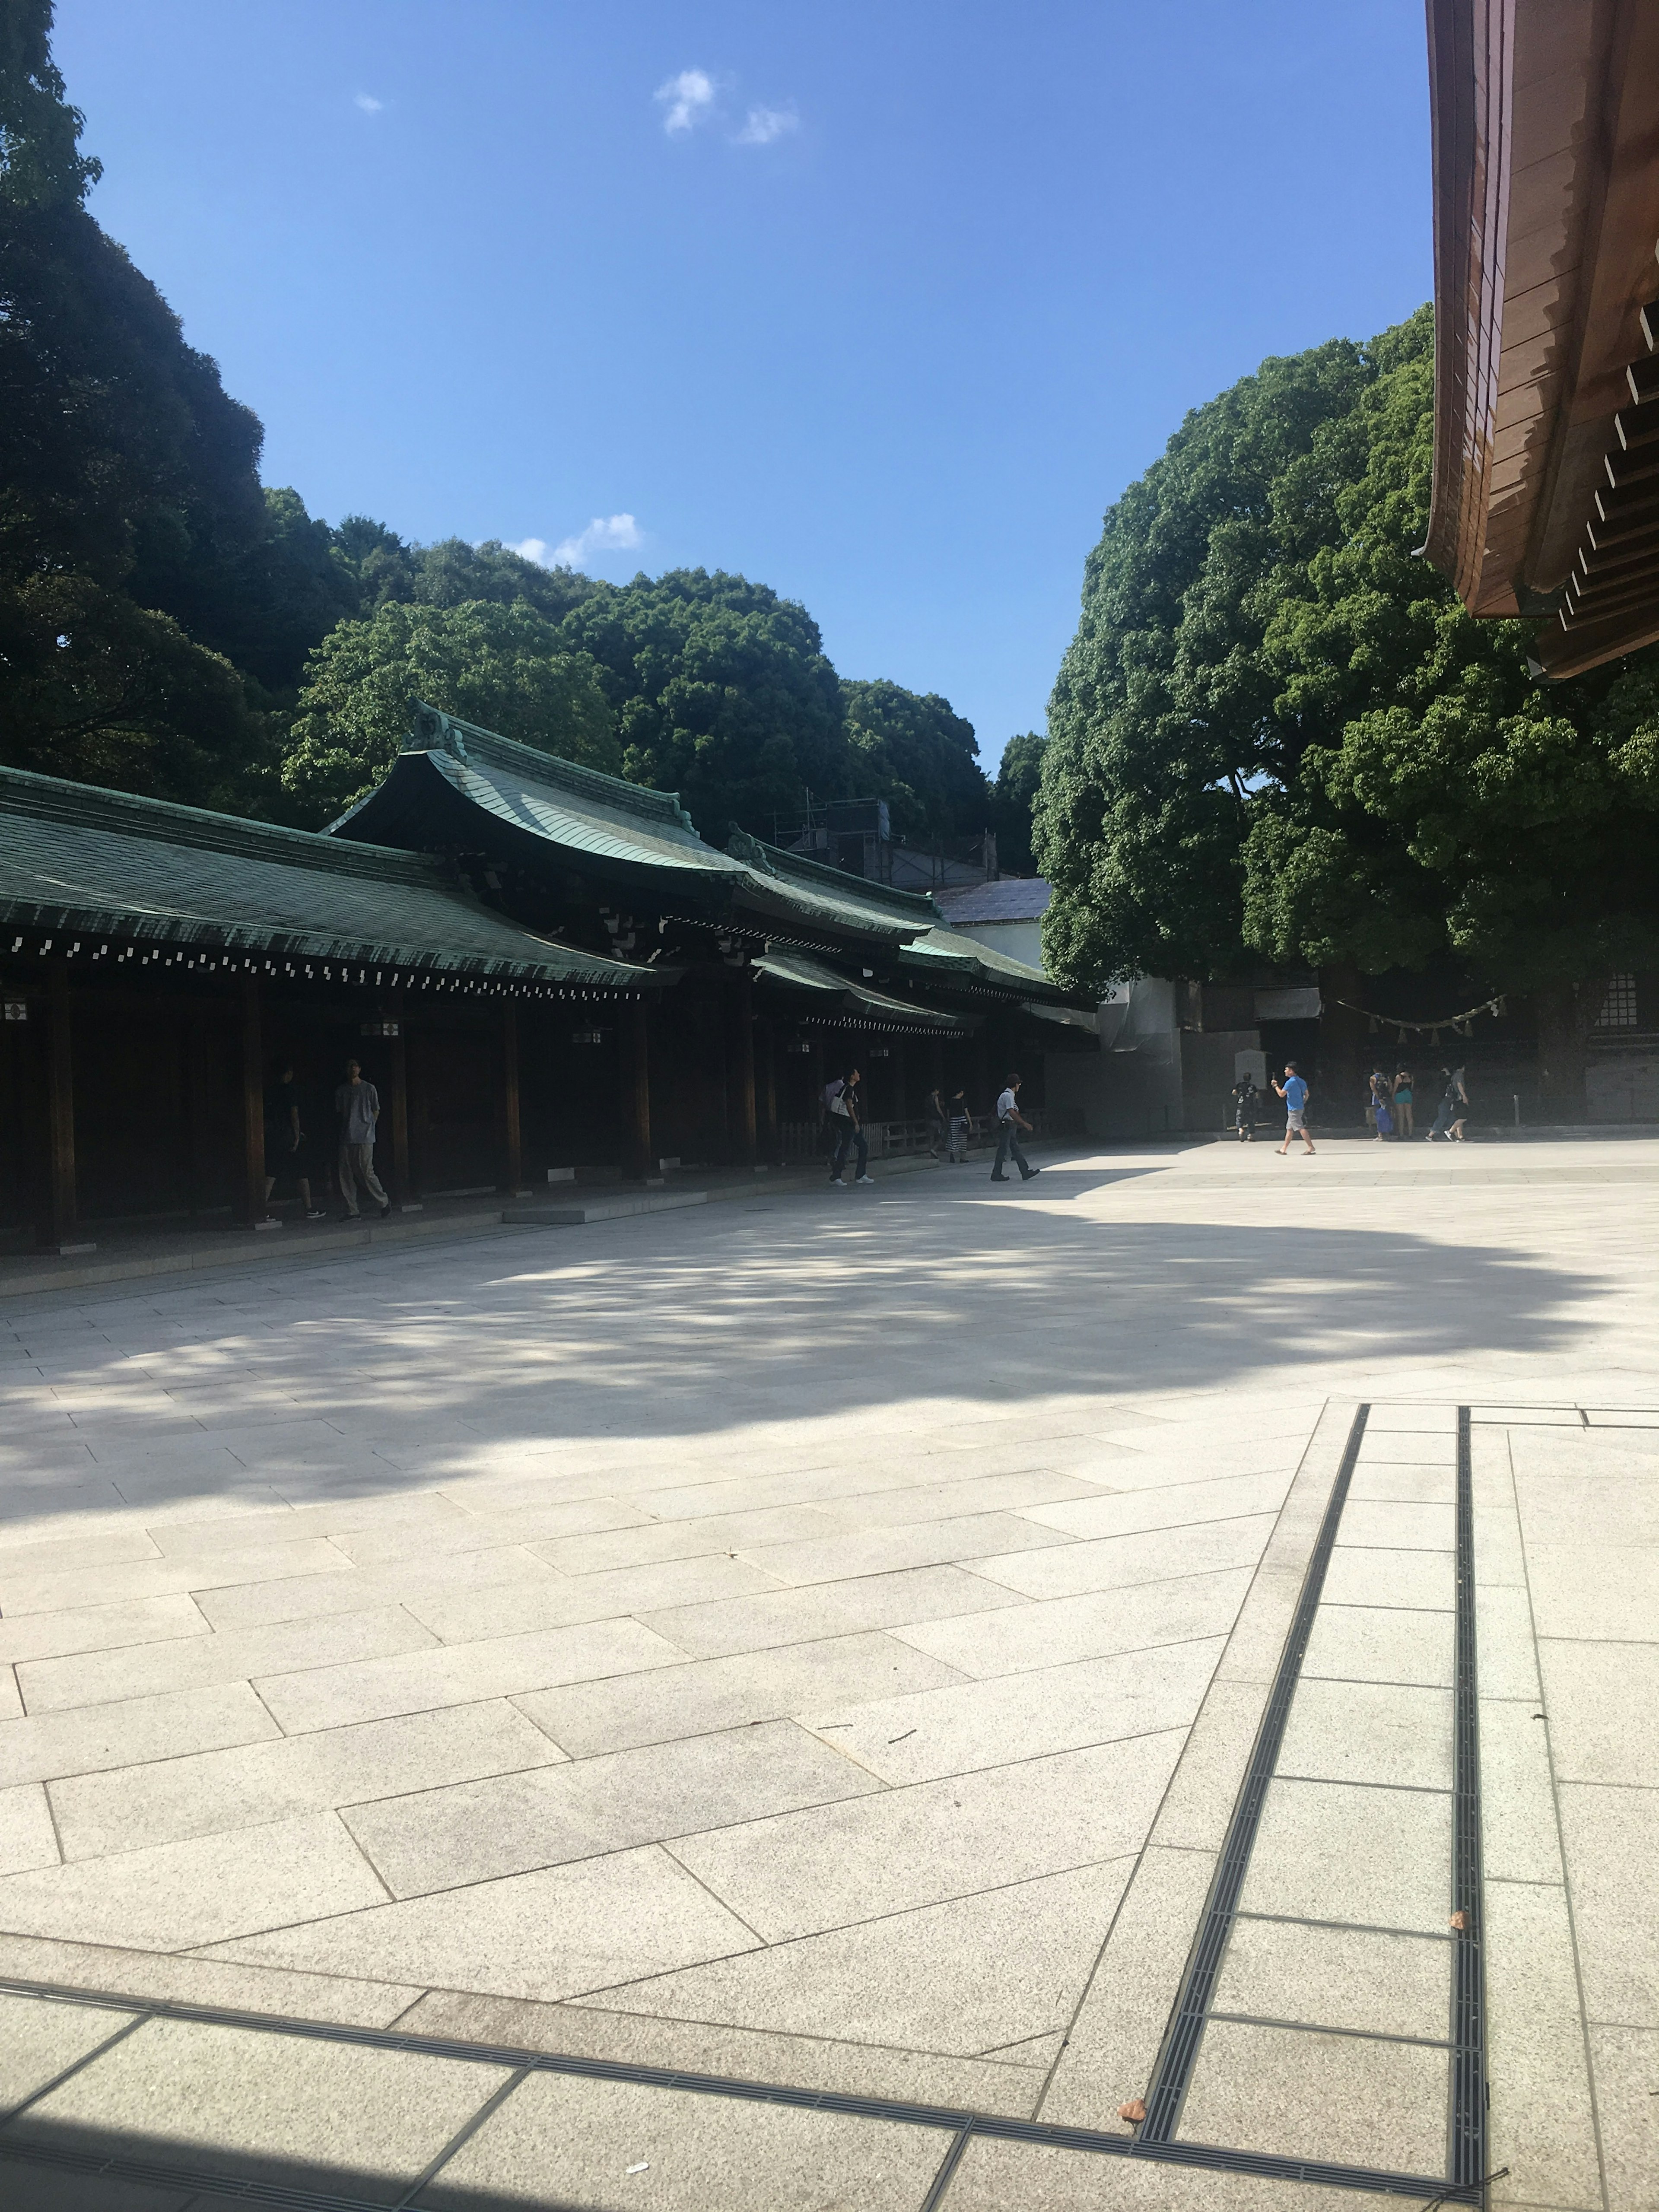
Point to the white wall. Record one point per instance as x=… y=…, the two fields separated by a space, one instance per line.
x=1131 y=1086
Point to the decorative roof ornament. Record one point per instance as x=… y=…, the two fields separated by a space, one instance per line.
x=751 y=851
x=437 y=732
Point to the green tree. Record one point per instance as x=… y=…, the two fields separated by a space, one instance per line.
x=501 y=666
x=451 y=572
x=1019 y=778
x=115 y=437
x=1160 y=711
x=1277 y=731
x=41 y=164
x=721 y=691
x=915 y=752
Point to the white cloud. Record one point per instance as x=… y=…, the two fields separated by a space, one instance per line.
x=368 y=102
x=606 y=533
x=763 y=125
x=689 y=99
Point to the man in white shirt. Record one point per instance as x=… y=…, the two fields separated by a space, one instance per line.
x=1010 y=1119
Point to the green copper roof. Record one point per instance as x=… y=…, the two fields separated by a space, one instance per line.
x=944 y=951
x=104 y=863
x=588 y=815
x=794 y=971
x=788 y=883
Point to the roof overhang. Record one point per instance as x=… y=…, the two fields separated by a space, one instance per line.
x=837 y=994
x=1546 y=499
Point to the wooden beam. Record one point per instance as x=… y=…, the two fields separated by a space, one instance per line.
x=252 y=1207
x=403 y=1187
x=1629 y=502
x=767 y=1047
x=741 y=1037
x=512 y=1150
x=1592 y=606
x=637 y=1091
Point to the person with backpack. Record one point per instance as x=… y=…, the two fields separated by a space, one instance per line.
x=1246 y=1101
x=841 y=1098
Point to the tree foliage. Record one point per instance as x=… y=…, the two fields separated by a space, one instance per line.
x=721 y=691
x=498 y=665
x=913 y=750
x=1277 y=731
x=115 y=436
x=1019 y=778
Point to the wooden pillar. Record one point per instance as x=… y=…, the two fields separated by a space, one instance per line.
x=768 y=1089
x=61 y=1207
x=901 y=1064
x=636 y=1092
x=741 y=1064
x=253 y=1196
x=402 y=1188
x=512 y=1152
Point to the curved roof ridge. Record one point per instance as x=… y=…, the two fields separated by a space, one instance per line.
x=910 y=906
x=437 y=731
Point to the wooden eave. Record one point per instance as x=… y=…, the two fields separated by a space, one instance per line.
x=1546 y=128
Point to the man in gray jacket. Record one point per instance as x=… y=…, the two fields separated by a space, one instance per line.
x=357 y=1107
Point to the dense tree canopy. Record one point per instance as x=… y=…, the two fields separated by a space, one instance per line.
x=920 y=756
x=1277 y=732
x=116 y=442
x=498 y=665
x=721 y=691
x=1019 y=778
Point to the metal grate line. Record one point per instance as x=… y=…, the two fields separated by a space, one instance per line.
x=1466 y=2145
x=1175 y=2060
x=1212 y=2157
x=1202 y=2157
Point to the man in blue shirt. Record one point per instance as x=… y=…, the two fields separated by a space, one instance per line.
x=1294 y=1091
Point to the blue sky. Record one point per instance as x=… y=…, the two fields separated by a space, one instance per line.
x=880 y=301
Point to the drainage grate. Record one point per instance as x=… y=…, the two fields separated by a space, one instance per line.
x=1466 y=2148
x=1175 y=2060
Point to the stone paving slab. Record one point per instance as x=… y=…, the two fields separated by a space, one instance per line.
x=646 y=1647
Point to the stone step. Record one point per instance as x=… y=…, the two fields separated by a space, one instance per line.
x=572 y=1213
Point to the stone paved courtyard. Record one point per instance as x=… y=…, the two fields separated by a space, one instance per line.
x=819 y=1642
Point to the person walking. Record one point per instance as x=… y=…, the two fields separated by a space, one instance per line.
x=1460 y=1108
x=1247 y=1101
x=1402 y=1100
x=1294 y=1091
x=1010 y=1121
x=357 y=1108
x=962 y=1128
x=937 y=1119
x=1454 y=1104
x=848 y=1121
x=286 y=1142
